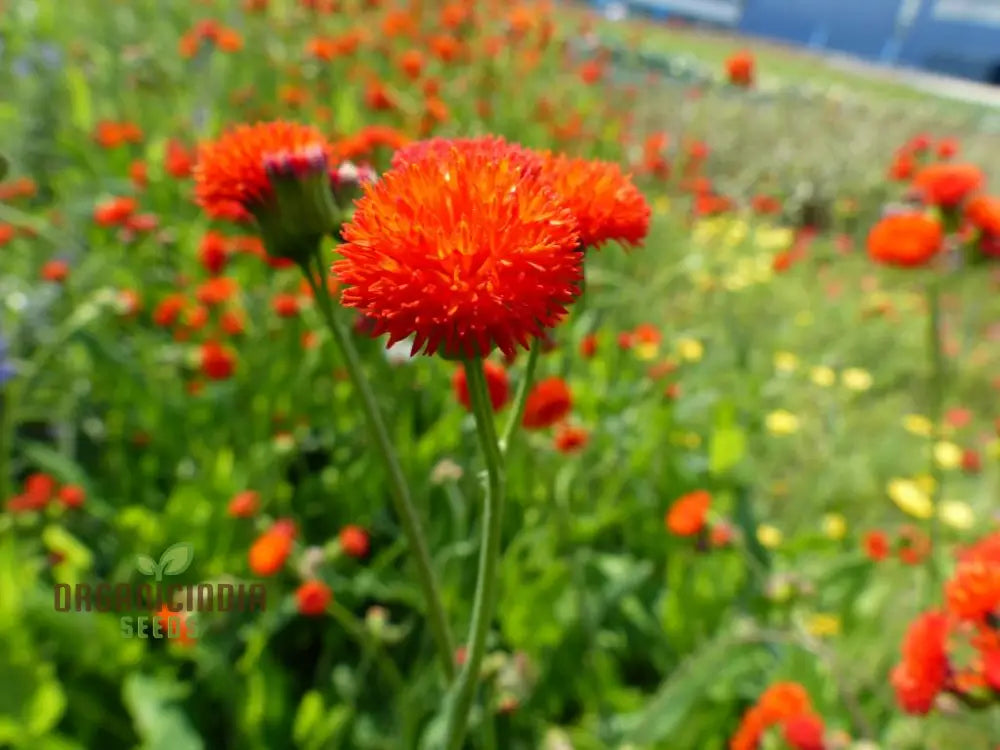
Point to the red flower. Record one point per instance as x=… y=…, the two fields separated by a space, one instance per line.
x=230 y=178
x=688 y=514
x=55 y=271
x=740 y=68
x=312 y=598
x=497 y=383
x=908 y=239
x=804 y=732
x=217 y=362
x=114 y=211
x=285 y=305
x=588 y=346
x=354 y=541
x=607 y=206
x=973 y=593
x=570 y=439
x=924 y=670
x=876 y=545
x=549 y=402
x=946 y=184
x=244 y=504
x=463 y=253
x=72 y=496
x=178 y=160
x=213 y=252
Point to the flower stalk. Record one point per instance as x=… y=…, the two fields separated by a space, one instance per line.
x=460 y=701
x=312 y=268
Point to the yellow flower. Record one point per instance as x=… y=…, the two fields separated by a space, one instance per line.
x=773 y=238
x=785 y=362
x=947 y=455
x=993 y=449
x=823 y=625
x=735 y=282
x=856 y=379
x=690 y=349
x=925 y=482
x=918 y=425
x=647 y=351
x=823 y=376
x=768 y=536
x=956 y=514
x=834 y=526
x=803 y=319
x=782 y=422
x=737 y=233
x=911 y=498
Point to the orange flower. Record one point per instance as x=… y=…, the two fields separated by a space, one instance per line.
x=946 y=184
x=740 y=68
x=876 y=545
x=411 y=63
x=570 y=438
x=497 y=383
x=354 y=541
x=312 y=598
x=549 y=402
x=983 y=211
x=230 y=177
x=906 y=239
x=924 y=670
x=973 y=593
x=687 y=515
x=464 y=253
x=178 y=160
x=285 y=305
x=606 y=204
x=271 y=549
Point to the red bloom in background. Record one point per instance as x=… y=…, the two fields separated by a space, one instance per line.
x=688 y=514
x=907 y=239
x=312 y=598
x=464 y=253
x=285 y=305
x=804 y=732
x=244 y=504
x=217 y=361
x=271 y=549
x=178 y=161
x=114 y=211
x=230 y=178
x=924 y=670
x=213 y=252
x=588 y=346
x=570 y=438
x=548 y=403
x=497 y=383
x=876 y=545
x=740 y=68
x=354 y=541
x=946 y=184
x=72 y=495
x=55 y=271
x=607 y=206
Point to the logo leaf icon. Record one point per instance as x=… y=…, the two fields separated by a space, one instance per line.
x=145 y=565
x=176 y=558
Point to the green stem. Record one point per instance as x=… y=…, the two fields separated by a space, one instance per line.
x=356 y=630
x=460 y=702
x=936 y=399
x=517 y=413
x=397 y=481
x=7 y=426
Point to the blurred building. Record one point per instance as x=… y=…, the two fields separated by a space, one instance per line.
x=956 y=37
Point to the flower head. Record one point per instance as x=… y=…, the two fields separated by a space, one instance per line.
x=946 y=184
x=905 y=239
x=548 y=403
x=465 y=253
x=924 y=670
x=607 y=206
x=232 y=173
x=687 y=515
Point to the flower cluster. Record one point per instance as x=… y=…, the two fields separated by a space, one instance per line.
x=786 y=711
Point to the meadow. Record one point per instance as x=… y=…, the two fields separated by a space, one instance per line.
x=674 y=429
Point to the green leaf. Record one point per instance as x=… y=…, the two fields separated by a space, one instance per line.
x=728 y=442
x=145 y=565
x=307 y=717
x=47 y=706
x=79 y=96
x=158 y=719
x=176 y=559
x=55 y=463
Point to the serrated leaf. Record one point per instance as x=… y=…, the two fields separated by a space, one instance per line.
x=176 y=559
